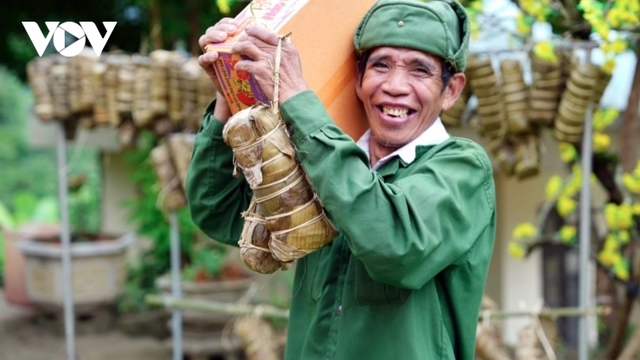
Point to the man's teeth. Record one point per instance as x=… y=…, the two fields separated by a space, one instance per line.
x=395 y=112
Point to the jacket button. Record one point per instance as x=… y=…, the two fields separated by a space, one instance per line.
x=339 y=310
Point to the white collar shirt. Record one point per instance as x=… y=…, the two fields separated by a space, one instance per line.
x=433 y=135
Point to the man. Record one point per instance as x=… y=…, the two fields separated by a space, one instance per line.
x=415 y=207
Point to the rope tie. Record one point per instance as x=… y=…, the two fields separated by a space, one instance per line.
x=276 y=74
x=300 y=208
x=281 y=191
x=305 y=224
x=284 y=179
x=273 y=159
x=258 y=140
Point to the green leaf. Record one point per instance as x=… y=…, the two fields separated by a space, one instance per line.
x=24 y=204
x=6 y=220
x=47 y=210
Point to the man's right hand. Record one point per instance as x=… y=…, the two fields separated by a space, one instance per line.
x=216 y=34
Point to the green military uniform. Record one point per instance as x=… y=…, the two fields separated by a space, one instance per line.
x=405 y=276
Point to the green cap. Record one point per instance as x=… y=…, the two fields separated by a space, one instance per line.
x=438 y=27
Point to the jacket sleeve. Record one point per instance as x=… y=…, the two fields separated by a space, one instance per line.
x=405 y=231
x=216 y=198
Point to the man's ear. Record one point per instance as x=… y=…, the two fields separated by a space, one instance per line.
x=358 y=81
x=453 y=90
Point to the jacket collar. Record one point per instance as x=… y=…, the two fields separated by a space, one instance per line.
x=434 y=135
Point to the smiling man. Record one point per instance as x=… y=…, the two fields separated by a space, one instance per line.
x=415 y=207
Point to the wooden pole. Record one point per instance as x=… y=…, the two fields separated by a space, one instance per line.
x=629 y=135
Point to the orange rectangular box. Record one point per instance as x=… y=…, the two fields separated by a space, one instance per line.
x=322 y=31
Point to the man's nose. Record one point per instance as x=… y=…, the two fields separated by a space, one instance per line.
x=396 y=83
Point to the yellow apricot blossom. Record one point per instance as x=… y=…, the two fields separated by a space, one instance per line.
x=624 y=237
x=516 y=250
x=601 y=142
x=568 y=152
x=621 y=269
x=618 y=216
x=544 y=51
x=631 y=182
x=607 y=258
x=602 y=118
x=566 y=206
x=618 y=46
x=625 y=217
x=523 y=24
x=554 y=186
x=568 y=234
x=609 y=65
x=524 y=231
x=611 y=243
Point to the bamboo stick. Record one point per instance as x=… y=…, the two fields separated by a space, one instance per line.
x=260 y=310
x=548 y=312
x=277 y=313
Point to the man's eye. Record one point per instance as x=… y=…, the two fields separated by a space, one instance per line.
x=422 y=70
x=379 y=65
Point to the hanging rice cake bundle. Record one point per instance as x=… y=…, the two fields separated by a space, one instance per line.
x=126 y=78
x=485 y=85
x=569 y=122
x=546 y=90
x=172 y=194
x=100 y=107
x=254 y=243
x=515 y=96
x=180 y=147
x=110 y=79
x=141 y=112
x=292 y=212
x=175 y=91
x=189 y=75
x=453 y=116
x=59 y=85
x=160 y=64
x=37 y=72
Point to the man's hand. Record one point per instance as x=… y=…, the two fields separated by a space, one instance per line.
x=259 y=44
x=216 y=34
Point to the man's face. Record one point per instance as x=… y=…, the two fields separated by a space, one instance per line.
x=402 y=94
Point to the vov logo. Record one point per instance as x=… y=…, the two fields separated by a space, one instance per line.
x=86 y=30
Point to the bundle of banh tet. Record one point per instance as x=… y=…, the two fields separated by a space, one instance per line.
x=285 y=220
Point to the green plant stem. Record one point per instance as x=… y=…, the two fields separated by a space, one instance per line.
x=266 y=311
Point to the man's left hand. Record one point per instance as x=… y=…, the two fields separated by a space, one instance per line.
x=259 y=44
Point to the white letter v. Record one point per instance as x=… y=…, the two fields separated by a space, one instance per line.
x=97 y=41
x=37 y=38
